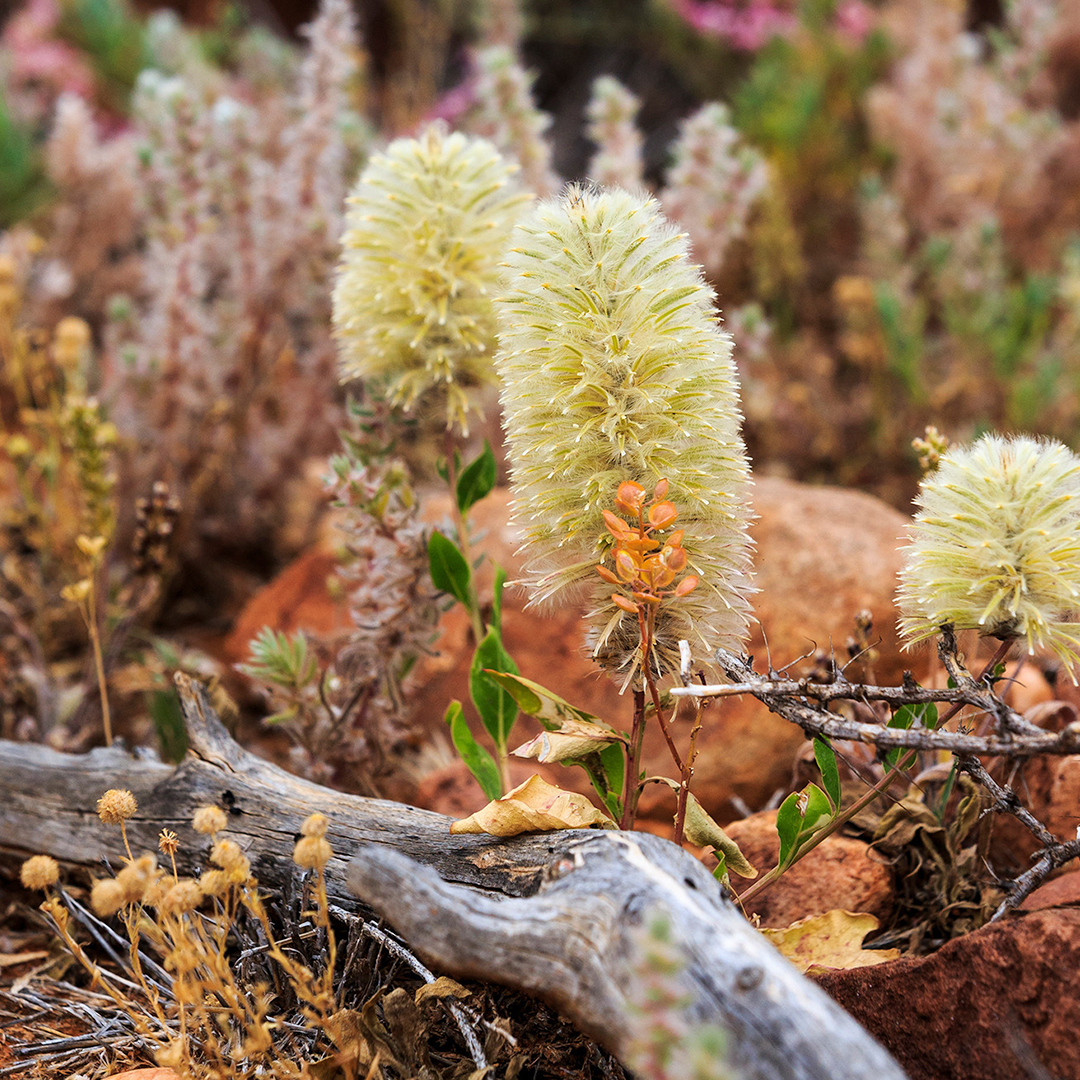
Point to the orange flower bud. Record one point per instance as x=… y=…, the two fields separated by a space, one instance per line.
x=662 y=515
x=686 y=586
x=629 y=497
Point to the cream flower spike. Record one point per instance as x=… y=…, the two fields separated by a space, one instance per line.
x=614 y=368
x=995 y=546
x=428 y=223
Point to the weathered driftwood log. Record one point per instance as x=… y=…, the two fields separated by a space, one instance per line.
x=555 y=914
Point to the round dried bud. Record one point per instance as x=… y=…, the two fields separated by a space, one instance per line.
x=186 y=895
x=312 y=853
x=155 y=891
x=39 y=872
x=116 y=805
x=107 y=897
x=227 y=855
x=209 y=820
x=173 y=1054
x=314 y=825
x=136 y=877
x=214 y=882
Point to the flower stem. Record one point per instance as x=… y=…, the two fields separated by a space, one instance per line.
x=463 y=537
x=632 y=780
x=90 y=614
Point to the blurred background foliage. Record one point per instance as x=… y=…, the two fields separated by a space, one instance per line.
x=885 y=193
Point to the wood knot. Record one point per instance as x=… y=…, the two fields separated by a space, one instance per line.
x=749 y=978
x=559 y=867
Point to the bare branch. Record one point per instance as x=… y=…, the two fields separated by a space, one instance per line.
x=803 y=703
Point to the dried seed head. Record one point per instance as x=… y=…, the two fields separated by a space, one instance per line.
x=39 y=872
x=995 y=546
x=156 y=890
x=614 y=370
x=314 y=825
x=214 y=882
x=209 y=820
x=227 y=855
x=168 y=842
x=173 y=1054
x=184 y=896
x=312 y=852
x=135 y=878
x=107 y=897
x=427 y=226
x=116 y=805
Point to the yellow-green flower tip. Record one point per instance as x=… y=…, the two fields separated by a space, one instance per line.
x=614 y=368
x=426 y=229
x=995 y=546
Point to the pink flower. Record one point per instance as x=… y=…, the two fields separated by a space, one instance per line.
x=744 y=26
x=854 y=20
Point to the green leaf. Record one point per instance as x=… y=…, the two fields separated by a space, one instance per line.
x=613 y=764
x=799 y=817
x=476 y=479
x=496 y=599
x=536 y=700
x=449 y=571
x=496 y=706
x=480 y=763
x=924 y=714
x=164 y=708
x=946 y=792
x=825 y=757
x=720 y=870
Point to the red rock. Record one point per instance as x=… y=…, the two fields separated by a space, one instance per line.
x=1056 y=893
x=997 y=1004
x=154 y=1073
x=840 y=872
x=297 y=599
x=1048 y=786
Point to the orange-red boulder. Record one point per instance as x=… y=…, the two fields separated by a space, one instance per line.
x=840 y=872
x=997 y=1004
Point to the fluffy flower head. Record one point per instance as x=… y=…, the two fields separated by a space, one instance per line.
x=614 y=369
x=995 y=546
x=39 y=872
x=427 y=225
x=116 y=805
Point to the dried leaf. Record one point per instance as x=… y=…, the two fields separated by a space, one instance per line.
x=831 y=940
x=535 y=806
x=442 y=987
x=573 y=739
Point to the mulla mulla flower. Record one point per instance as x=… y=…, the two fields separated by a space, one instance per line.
x=995 y=546
x=614 y=369
x=428 y=223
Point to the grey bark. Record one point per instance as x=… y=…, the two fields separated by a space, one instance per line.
x=560 y=915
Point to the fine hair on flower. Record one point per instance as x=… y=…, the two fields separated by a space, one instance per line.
x=427 y=224
x=995 y=546
x=614 y=368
